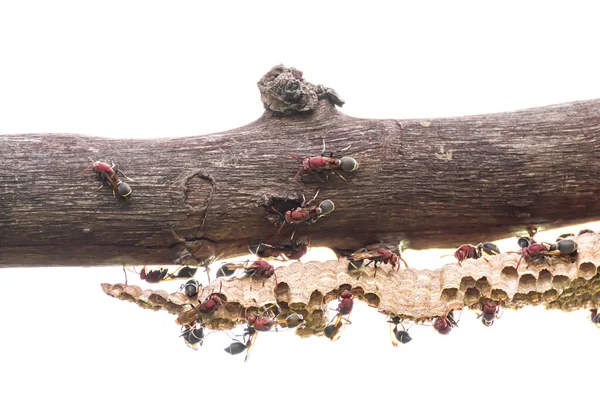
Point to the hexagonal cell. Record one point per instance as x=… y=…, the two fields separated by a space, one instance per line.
x=158 y=298
x=579 y=282
x=571 y=305
x=534 y=297
x=544 y=277
x=510 y=273
x=316 y=298
x=527 y=283
x=372 y=299
x=519 y=298
x=596 y=299
x=587 y=270
x=449 y=294
x=499 y=294
x=550 y=295
x=467 y=282
x=560 y=281
x=472 y=296
x=349 y=287
x=282 y=292
x=483 y=285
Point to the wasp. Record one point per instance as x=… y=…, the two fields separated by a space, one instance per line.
x=489 y=312
x=339 y=322
x=210 y=304
x=469 y=251
x=293 y=251
x=109 y=174
x=322 y=163
x=308 y=212
x=534 y=250
x=163 y=274
x=396 y=335
x=259 y=268
x=255 y=324
x=376 y=256
x=443 y=325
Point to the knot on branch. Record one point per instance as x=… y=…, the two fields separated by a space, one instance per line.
x=284 y=91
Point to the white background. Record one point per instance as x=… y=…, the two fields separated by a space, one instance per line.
x=148 y=69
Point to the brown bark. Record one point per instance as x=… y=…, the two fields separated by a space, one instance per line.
x=434 y=183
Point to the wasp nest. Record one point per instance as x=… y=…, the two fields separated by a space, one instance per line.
x=418 y=295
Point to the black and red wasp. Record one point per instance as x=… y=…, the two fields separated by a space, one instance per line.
x=255 y=324
x=258 y=268
x=532 y=250
x=109 y=174
x=595 y=317
x=308 y=212
x=381 y=255
x=443 y=325
x=163 y=274
x=398 y=336
x=293 y=251
x=339 y=322
x=469 y=251
x=489 y=312
x=207 y=306
x=331 y=163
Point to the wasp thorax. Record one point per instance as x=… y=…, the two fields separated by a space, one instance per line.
x=348 y=164
x=325 y=207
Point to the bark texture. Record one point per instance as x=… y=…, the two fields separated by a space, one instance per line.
x=432 y=183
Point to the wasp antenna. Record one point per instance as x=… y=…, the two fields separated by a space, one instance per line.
x=295 y=157
x=315 y=196
x=276 y=210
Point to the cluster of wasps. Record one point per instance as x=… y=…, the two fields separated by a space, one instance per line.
x=320 y=167
x=531 y=250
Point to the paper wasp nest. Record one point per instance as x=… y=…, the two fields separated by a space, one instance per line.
x=417 y=295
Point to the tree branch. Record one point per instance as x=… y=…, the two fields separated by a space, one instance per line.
x=432 y=183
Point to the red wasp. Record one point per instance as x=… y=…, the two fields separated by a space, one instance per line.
x=210 y=304
x=110 y=174
x=469 y=251
x=595 y=317
x=380 y=255
x=445 y=324
x=321 y=163
x=344 y=308
x=533 y=250
x=396 y=335
x=292 y=251
x=489 y=312
x=259 y=268
x=308 y=212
